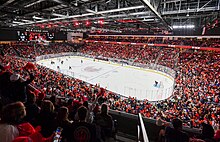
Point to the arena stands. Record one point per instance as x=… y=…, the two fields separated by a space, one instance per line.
x=195 y=99
x=212 y=42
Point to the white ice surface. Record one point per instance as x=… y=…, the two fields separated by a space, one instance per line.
x=124 y=80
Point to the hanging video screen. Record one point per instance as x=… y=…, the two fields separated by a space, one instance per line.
x=50 y=36
x=22 y=36
x=34 y=36
x=37 y=36
x=41 y=36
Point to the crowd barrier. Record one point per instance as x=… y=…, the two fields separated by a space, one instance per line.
x=142 y=134
x=127 y=123
x=152 y=95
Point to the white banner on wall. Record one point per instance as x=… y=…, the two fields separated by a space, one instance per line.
x=72 y=35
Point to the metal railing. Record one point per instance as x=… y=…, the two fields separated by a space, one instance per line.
x=142 y=134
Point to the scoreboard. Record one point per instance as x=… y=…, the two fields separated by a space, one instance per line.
x=33 y=36
x=22 y=36
x=50 y=36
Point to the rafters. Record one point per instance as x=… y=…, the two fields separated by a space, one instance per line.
x=152 y=8
x=159 y=14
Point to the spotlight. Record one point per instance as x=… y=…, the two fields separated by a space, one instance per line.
x=107 y=1
x=101 y=22
x=183 y=27
x=76 y=24
x=87 y=23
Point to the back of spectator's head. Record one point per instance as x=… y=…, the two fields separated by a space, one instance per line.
x=41 y=96
x=5 y=76
x=82 y=112
x=47 y=106
x=53 y=99
x=86 y=104
x=70 y=102
x=62 y=113
x=1 y=66
x=13 y=113
x=104 y=108
x=177 y=123
x=159 y=122
x=31 y=98
x=14 y=77
x=207 y=131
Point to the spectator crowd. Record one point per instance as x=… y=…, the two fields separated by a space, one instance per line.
x=212 y=42
x=195 y=99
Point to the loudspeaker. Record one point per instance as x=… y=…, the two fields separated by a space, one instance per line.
x=85 y=35
x=137 y=26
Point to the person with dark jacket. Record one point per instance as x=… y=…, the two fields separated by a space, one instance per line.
x=207 y=133
x=104 y=120
x=83 y=131
x=176 y=134
x=46 y=118
x=63 y=122
x=32 y=109
x=5 y=87
x=18 y=88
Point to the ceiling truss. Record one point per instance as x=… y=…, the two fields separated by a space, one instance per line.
x=116 y=14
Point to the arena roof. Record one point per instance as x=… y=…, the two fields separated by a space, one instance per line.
x=115 y=15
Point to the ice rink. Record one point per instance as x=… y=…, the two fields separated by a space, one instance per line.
x=125 y=80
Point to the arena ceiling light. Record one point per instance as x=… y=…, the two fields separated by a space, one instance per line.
x=121 y=9
x=16 y=22
x=59 y=15
x=59 y=1
x=38 y=18
x=33 y=3
x=154 y=10
x=123 y=15
x=91 y=11
x=13 y=25
x=148 y=20
x=24 y=20
x=107 y=1
x=183 y=26
x=83 y=15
